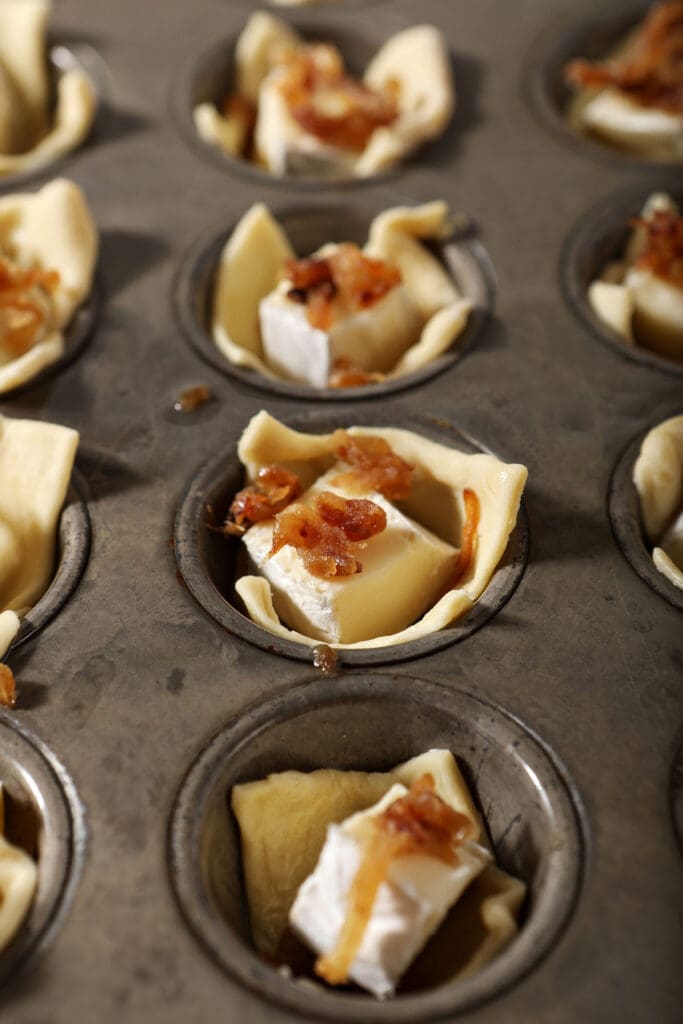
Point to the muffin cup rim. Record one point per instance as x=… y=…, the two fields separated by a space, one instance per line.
x=245 y=966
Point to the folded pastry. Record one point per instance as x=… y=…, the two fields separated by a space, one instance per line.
x=18 y=881
x=366 y=869
x=296 y=111
x=342 y=317
x=31 y=133
x=48 y=252
x=35 y=468
x=658 y=477
x=634 y=98
x=641 y=295
x=366 y=537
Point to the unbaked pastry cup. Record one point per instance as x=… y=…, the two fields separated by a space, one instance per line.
x=599 y=238
x=623 y=506
x=208 y=77
x=63 y=55
x=43 y=815
x=207 y=560
x=73 y=549
x=374 y=722
x=308 y=228
x=591 y=36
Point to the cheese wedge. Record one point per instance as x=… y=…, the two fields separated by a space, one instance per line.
x=647 y=130
x=372 y=339
x=408 y=908
x=405 y=569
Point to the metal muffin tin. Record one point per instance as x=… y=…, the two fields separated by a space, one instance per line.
x=131 y=681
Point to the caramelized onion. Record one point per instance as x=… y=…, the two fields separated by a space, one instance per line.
x=374 y=465
x=469 y=535
x=651 y=69
x=328 y=103
x=328 y=535
x=273 y=489
x=663 y=252
x=22 y=315
x=341 y=283
x=345 y=374
x=8 y=689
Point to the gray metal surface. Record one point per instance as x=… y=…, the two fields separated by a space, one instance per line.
x=131 y=680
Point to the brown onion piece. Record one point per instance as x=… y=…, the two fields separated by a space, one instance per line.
x=374 y=465
x=21 y=317
x=345 y=374
x=329 y=104
x=324 y=549
x=342 y=283
x=357 y=518
x=273 y=489
x=8 y=686
x=327 y=535
x=650 y=71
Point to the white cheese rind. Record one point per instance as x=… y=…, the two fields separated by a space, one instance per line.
x=373 y=339
x=408 y=908
x=628 y=124
x=405 y=569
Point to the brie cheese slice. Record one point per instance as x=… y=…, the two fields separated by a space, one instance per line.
x=373 y=339
x=630 y=125
x=405 y=569
x=408 y=907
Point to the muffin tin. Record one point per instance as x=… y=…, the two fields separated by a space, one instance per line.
x=155 y=707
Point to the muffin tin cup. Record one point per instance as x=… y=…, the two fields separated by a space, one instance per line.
x=372 y=723
x=209 y=75
x=73 y=548
x=43 y=815
x=591 y=37
x=308 y=228
x=599 y=238
x=77 y=335
x=64 y=55
x=623 y=506
x=206 y=559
